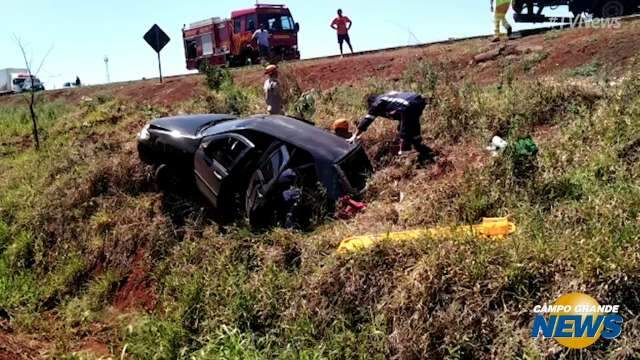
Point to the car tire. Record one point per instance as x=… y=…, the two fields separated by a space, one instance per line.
x=611 y=9
x=249 y=198
x=163 y=176
x=257 y=219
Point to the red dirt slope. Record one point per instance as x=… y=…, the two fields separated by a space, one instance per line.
x=563 y=50
x=558 y=52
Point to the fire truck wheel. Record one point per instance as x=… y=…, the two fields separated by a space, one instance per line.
x=517 y=6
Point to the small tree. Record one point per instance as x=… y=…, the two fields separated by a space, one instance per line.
x=216 y=76
x=31 y=99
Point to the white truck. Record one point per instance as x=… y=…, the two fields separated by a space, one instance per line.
x=15 y=80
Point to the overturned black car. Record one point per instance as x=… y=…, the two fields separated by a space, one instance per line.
x=239 y=164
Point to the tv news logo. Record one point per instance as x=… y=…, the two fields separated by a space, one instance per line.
x=587 y=22
x=576 y=321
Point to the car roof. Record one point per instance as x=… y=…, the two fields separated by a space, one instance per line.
x=319 y=142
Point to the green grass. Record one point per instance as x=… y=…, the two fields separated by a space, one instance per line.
x=81 y=217
x=15 y=121
x=587 y=70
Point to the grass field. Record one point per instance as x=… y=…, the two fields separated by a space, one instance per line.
x=90 y=249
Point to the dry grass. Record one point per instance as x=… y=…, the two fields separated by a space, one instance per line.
x=84 y=219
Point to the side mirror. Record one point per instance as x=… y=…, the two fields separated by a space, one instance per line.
x=297 y=27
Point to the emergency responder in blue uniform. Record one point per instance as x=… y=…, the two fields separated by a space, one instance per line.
x=405 y=107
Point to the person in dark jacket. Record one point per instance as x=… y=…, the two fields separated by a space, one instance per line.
x=405 y=107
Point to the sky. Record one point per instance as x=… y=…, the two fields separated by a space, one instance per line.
x=77 y=35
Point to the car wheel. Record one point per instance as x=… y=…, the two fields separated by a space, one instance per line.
x=611 y=8
x=163 y=176
x=255 y=210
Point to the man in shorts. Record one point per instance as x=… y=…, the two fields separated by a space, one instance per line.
x=342 y=25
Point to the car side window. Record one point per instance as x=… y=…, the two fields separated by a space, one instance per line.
x=237 y=26
x=225 y=151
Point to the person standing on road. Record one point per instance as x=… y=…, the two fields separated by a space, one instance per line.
x=272 y=92
x=500 y=17
x=405 y=107
x=262 y=36
x=342 y=25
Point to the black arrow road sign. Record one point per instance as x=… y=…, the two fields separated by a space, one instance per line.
x=157 y=39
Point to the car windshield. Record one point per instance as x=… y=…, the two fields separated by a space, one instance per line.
x=213 y=123
x=277 y=22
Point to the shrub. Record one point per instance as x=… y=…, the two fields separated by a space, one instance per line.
x=216 y=76
x=289 y=86
x=305 y=106
x=236 y=101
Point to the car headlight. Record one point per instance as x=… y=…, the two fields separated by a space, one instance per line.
x=144 y=133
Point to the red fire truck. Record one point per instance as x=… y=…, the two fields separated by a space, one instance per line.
x=228 y=42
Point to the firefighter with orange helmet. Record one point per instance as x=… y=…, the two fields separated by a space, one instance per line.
x=340 y=127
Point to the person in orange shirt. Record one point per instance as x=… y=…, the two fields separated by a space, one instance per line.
x=342 y=24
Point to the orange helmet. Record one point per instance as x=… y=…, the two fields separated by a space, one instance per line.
x=270 y=69
x=340 y=124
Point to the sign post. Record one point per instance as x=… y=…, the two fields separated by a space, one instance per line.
x=157 y=39
x=159 y=67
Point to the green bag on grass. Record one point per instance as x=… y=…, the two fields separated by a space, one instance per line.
x=524 y=155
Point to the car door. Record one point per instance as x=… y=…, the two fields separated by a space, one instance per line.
x=215 y=161
x=265 y=178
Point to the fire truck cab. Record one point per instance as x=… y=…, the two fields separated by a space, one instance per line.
x=229 y=42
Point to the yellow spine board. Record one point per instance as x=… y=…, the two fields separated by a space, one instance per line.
x=490 y=227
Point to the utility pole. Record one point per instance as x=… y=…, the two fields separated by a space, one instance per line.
x=106 y=65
